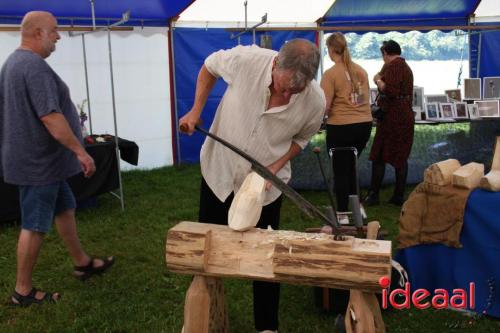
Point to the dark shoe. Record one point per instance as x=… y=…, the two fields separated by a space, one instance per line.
x=340 y=324
x=85 y=272
x=371 y=199
x=26 y=300
x=397 y=200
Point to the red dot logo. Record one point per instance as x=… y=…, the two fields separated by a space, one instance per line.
x=384 y=282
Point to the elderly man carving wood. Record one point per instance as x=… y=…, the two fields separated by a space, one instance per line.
x=270 y=109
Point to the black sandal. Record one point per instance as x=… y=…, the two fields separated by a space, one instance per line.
x=21 y=300
x=89 y=270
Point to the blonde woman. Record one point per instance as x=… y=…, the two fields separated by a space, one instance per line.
x=349 y=117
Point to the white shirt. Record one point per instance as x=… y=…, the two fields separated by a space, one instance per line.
x=242 y=120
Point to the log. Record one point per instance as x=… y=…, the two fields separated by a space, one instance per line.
x=197 y=307
x=441 y=173
x=278 y=256
x=219 y=319
x=246 y=207
x=468 y=176
x=363 y=313
x=204 y=308
x=358 y=318
x=491 y=181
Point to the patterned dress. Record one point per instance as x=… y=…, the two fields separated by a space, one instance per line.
x=394 y=136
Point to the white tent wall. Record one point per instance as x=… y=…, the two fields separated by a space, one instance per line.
x=141 y=79
x=488 y=11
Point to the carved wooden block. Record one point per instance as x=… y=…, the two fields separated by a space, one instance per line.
x=441 y=173
x=246 y=207
x=468 y=176
x=491 y=181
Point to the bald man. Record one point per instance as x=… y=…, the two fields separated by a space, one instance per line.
x=40 y=148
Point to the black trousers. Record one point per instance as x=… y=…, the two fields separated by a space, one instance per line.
x=352 y=135
x=266 y=295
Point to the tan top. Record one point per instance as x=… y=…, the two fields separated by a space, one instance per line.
x=337 y=86
x=241 y=119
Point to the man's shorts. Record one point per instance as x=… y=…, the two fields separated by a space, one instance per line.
x=40 y=203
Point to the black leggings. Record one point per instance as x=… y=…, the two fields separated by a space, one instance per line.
x=266 y=295
x=352 y=135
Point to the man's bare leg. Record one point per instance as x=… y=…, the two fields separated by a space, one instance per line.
x=66 y=227
x=28 y=248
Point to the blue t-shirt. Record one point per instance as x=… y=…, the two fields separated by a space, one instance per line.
x=29 y=90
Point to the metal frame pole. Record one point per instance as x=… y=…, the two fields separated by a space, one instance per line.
x=478 y=72
x=177 y=136
x=321 y=37
x=245 y=4
x=114 y=119
x=87 y=83
x=92 y=8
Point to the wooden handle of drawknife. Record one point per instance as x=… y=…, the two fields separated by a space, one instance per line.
x=184 y=128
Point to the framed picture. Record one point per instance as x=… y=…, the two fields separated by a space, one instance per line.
x=488 y=108
x=491 y=87
x=436 y=98
x=373 y=95
x=473 y=111
x=446 y=110
x=454 y=95
x=418 y=97
x=461 y=110
x=472 y=89
x=431 y=111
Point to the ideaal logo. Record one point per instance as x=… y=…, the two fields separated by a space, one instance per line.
x=440 y=299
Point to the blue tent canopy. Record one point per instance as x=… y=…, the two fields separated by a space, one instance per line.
x=78 y=12
x=347 y=13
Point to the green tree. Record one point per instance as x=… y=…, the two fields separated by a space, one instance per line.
x=433 y=45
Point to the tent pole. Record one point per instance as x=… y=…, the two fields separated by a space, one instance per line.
x=93 y=14
x=375 y=28
x=321 y=38
x=478 y=72
x=246 y=22
x=64 y=28
x=87 y=84
x=114 y=120
x=175 y=123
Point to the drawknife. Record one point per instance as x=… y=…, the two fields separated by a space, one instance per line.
x=287 y=190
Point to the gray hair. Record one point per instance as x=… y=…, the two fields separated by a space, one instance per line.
x=300 y=56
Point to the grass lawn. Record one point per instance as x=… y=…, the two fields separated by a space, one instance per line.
x=140 y=295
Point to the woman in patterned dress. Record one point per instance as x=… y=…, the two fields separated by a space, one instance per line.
x=394 y=135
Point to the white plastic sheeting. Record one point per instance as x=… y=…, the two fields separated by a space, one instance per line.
x=278 y=11
x=286 y=11
x=488 y=10
x=141 y=78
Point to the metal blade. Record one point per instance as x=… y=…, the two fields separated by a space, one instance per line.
x=302 y=203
